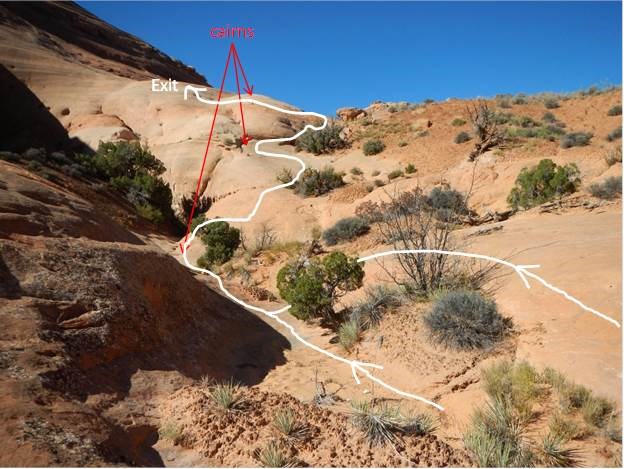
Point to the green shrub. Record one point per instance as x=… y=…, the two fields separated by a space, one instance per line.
x=542 y=183
x=345 y=229
x=356 y=171
x=373 y=147
x=410 y=169
x=403 y=144
x=429 y=101
x=379 y=183
x=285 y=176
x=272 y=455
x=555 y=454
x=395 y=174
x=462 y=137
x=135 y=172
x=518 y=384
x=615 y=110
x=349 y=334
x=226 y=396
x=379 y=423
x=465 y=320
x=34 y=166
x=322 y=141
x=595 y=410
x=563 y=428
x=315 y=183
x=549 y=117
x=608 y=189
x=171 y=431
x=369 y=311
x=615 y=134
x=221 y=241
x=447 y=203
x=458 y=122
x=496 y=437
x=519 y=100
x=376 y=172
x=9 y=156
x=312 y=287
x=576 y=139
x=504 y=103
x=551 y=103
x=284 y=421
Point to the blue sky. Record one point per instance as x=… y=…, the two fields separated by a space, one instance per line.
x=321 y=56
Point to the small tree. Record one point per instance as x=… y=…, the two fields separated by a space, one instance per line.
x=312 y=287
x=542 y=183
x=485 y=128
x=221 y=241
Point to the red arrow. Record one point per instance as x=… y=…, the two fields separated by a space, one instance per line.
x=201 y=172
x=248 y=89
x=244 y=139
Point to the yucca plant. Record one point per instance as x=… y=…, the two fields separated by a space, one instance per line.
x=377 y=422
x=226 y=395
x=555 y=454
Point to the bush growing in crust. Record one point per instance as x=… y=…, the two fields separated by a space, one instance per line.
x=448 y=203
x=462 y=137
x=549 y=117
x=356 y=171
x=542 y=183
x=551 y=103
x=458 y=122
x=373 y=147
x=610 y=188
x=345 y=230
x=132 y=170
x=466 y=320
x=221 y=241
x=284 y=176
x=315 y=183
x=395 y=174
x=349 y=334
x=614 y=156
x=576 y=139
x=615 y=110
x=322 y=141
x=312 y=287
x=410 y=169
x=379 y=423
x=369 y=311
x=615 y=134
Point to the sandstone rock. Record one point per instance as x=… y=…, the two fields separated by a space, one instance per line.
x=350 y=113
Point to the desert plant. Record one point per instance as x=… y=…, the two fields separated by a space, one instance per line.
x=395 y=174
x=285 y=176
x=171 y=431
x=272 y=455
x=610 y=188
x=322 y=141
x=447 y=203
x=543 y=183
x=312 y=287
x=549 y=117
x=458 y=122
x=221 y=241
x=285 y=422
x=615 y=110
x=379 y=183
x=376 y=172
x=576 y=139
x=615 y=134
x=356 y=171
x=226 y=395
x=465 y=320
x=504 y=103
x=563 y=428
x=202 y=205
x=419 y=425
x=496 y=437
x=555 y=454
x=379 y=423
x=485 y=128
x=373 y=147
x=551 y=103
x=369 y=311
x=349 y=333
x=519 y=100
x=345 y=229
x=410 y=169
x=462 y=137
x=517 y=384
x=614 y=156
x=403 y=143
x=595 y=410
x=315 y=183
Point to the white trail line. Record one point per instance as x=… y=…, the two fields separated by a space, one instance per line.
x=356 y=366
